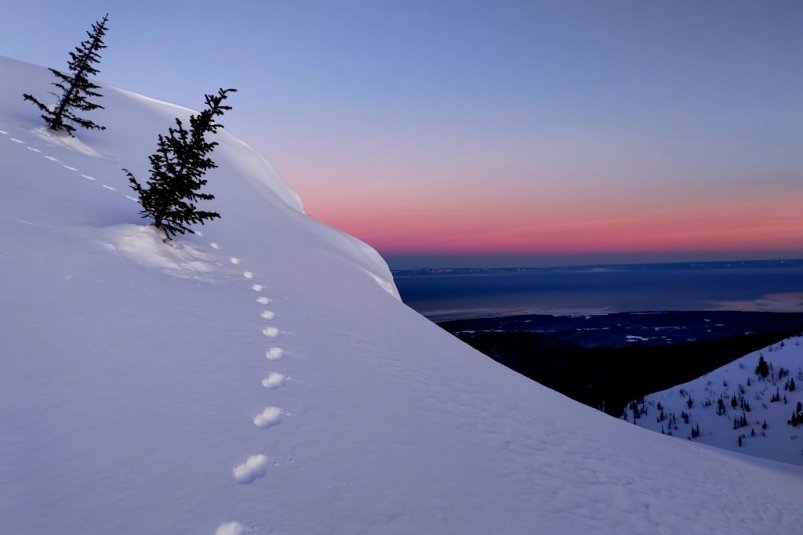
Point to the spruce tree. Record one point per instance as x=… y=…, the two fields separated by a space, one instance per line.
x=177 y=170
x=76 y=88
x=763 y=368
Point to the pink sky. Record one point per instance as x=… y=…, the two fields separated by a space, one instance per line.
x=565 y=219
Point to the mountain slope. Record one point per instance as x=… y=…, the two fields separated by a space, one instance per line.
x=752 y=416
x=264 y=378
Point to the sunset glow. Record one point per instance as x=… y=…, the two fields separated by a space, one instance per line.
x=770 y=226
x=560 y=131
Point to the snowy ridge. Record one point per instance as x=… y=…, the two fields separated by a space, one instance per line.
x=257 y=377
x=735 y=407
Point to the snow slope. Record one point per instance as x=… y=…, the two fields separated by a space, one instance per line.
x=745 y=395
x=264 y=378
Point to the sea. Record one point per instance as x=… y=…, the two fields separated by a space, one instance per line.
x=455 y=293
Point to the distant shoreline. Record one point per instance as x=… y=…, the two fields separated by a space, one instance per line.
x=463 y=293
x=781 y=303
x=600 y=268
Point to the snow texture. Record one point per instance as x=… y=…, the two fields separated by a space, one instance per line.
x=254 y=468
x=229 y=528
x=269 y=417
x=270 y=332
x=274 y=353
x=132 y=369
x=273 y=380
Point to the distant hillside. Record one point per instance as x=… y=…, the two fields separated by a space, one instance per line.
x=753 y=405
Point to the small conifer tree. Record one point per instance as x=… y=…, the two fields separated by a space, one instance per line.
x=763 y=368
x=177 y=170
x=76 y=87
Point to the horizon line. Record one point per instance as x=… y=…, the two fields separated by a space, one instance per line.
x=607 y=264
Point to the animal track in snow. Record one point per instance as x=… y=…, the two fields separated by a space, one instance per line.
x=229 y=528
x=252 y=469
x=273 y=380
x=274 y=353
x=270 y=332
x=268 y=418
x=255 y=466
x=198 y=233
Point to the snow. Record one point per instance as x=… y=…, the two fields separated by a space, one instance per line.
x=229 y=528
x=269 y=417
x=145 y=246
x=274 y=353
x=254 y=468
x=273 y=380
x=270 y=332
x=777 y=441
x=131 y=390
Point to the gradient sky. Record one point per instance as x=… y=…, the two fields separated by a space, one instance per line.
x=489 y=133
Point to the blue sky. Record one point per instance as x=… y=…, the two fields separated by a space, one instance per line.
x=489 y=132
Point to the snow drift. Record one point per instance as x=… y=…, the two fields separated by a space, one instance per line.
x=262 y=376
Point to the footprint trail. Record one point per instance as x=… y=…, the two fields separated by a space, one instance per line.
x=255 y=466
